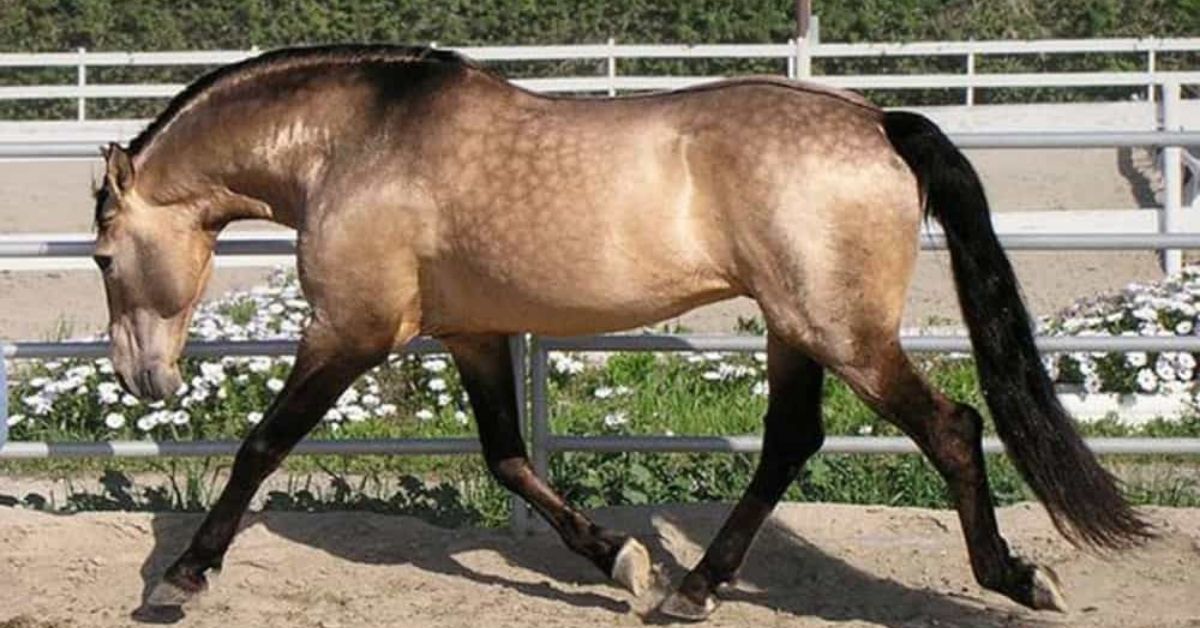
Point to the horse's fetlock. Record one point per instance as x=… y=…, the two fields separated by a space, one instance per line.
x=991 y=580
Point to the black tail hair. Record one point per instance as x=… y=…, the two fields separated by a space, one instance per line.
x=1082 y=498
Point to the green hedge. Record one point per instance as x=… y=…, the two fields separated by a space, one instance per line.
x=52 y=25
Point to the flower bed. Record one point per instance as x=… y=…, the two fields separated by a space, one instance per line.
x=1157 y=381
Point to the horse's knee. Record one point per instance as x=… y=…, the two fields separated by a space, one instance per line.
x=792 y=449
x=809 y=440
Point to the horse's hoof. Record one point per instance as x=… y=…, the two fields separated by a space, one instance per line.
x=168 y=592
x=632 y=567
x=1047 y=591
x=679 y=606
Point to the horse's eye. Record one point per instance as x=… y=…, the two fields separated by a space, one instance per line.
x=103 y=261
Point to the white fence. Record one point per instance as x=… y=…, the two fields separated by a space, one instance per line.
x=795 y=58
x=1171 y=229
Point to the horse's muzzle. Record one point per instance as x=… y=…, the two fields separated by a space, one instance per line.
x=154 y=382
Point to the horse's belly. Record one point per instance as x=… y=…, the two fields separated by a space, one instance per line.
x=566 y=304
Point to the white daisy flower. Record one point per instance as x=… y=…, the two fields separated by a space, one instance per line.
x=1146 y=380
x=114 y=420
x=615 y=419
x=1163 y=369
x=434 y=365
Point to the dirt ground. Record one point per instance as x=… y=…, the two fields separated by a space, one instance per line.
x=814 y=565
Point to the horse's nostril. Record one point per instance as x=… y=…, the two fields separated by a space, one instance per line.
x=145 y=381
x=129 y=383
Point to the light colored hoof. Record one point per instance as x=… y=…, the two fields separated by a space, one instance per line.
x=680 y=606
x=169 y=594
x=1047 y=591
x=632 y=567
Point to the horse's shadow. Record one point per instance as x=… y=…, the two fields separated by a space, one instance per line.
x=783 y=573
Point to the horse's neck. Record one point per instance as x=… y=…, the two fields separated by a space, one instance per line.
x=267 y=184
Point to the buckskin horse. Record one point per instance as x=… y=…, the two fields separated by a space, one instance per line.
x=431 y=196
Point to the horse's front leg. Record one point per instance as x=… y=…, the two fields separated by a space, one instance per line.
x=323 y=370
x=485 y=365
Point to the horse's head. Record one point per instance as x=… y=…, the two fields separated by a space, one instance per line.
x=155 y=260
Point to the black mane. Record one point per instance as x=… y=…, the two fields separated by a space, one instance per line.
x=286 y=58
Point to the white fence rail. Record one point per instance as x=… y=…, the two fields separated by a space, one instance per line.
x=795 y=58
x=43 y=252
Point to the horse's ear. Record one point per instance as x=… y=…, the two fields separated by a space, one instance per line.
x=119 y=167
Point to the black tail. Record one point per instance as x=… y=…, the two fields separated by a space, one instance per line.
x=1082 y=498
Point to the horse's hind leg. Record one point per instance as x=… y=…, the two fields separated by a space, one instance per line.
x=792 y=434
x=323 y=370
x=485 y=365
x=950 y=434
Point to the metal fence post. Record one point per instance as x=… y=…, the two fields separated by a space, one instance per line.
x=519 y=514
x=612 y=67
x=3 y=397
x=804 y=48
x=1172 y=166
x=970 y=78
x=540 y=410
x=81 y=81
x=1150 y=63
x=539 y=372
x=791 y=60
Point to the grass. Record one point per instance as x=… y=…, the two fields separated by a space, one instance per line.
x=633 y=393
